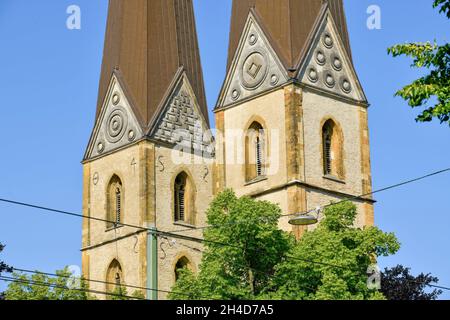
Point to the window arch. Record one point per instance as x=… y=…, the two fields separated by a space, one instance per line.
x=332 y=150
x=114 y=276
x=115 y=202
x=255 y=151
x=184 y=198
x=182 y=263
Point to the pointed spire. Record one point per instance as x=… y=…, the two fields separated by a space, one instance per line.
x=288 y=23
x=146 y=43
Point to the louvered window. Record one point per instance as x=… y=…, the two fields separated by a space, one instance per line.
x=118 y=205
x=181 y=205
x=259 y=157
x=180 y=198
x=114 y=277
x=115 y=203
x=327 y=151
x=332 y=153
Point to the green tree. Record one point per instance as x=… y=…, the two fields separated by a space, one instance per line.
x=397 y=283
x=3 y=268
x=63 y=286
x=121 y=293
x=259 y=261
x=331 y=262
x=255 y=243
x=431 y=91
x=42 y=287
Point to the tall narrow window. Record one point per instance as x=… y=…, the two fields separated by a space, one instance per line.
x=327 y=136
x=332 y=144
x=184 y=197
x=114 y=277
x=118 y=279
x=180 y=198
x=259 y=160
x=182 y=263
x=115 y=202
x=255 y=149
x=118 y=204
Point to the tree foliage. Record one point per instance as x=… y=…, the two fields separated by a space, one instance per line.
x=431 y=91
x=3 y=268
x=331 y=262
x=263 y=262
x=42 y=287
x=443 y=5
x=398 y=284
x=121 y=293
x=256 y=243
x=64 y=286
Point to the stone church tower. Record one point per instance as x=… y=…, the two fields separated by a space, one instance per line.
x=291 y=122
x=292 y=89
x=151 y=100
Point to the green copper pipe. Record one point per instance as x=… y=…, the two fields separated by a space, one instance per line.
x=152 y=264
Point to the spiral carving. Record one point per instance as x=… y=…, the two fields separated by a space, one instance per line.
x=117 y=124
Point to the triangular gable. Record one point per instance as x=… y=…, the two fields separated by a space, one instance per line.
x=327 y=65
x=117 y=124
x=256 y=68
x=180 y=119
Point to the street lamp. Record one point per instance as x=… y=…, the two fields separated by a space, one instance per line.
x=306 y=219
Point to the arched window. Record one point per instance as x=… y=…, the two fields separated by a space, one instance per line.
x=255 y=150
x=184 y=197
x=115 y=202
x=114 y=276
x=182 y=263
x=332 y=150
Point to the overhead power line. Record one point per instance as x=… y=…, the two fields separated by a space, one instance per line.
x=376 y=191
x=99 y=281
x=356 y=272
x=201 y=240
x=190 y=238
x=74 y=214
x=352 y=198
x=55 y=286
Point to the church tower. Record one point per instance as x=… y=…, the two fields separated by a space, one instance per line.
x=292 y=113
x=136 y=176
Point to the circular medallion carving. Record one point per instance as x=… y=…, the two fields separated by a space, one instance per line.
x=320 y=57
x=116 y=99
x=329 y=79
x=116 y=125
x=346 y=86
x=254 y=70
x=328 y=40
x=252 y=39
x=274 y=80
x=313 y=75
x=96 y=178
x=235 y=94
x=131 y=135
x=100 y=147
x=336 y=62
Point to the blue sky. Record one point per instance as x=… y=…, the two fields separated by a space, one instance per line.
x=48 y=92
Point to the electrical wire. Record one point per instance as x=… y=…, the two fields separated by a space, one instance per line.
x=374 y=192
x=362 y=196
x=164 y=234
x=356 y=272
x=172 y=234
x=4 y=200
x=99 y=281
x=55 y=286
